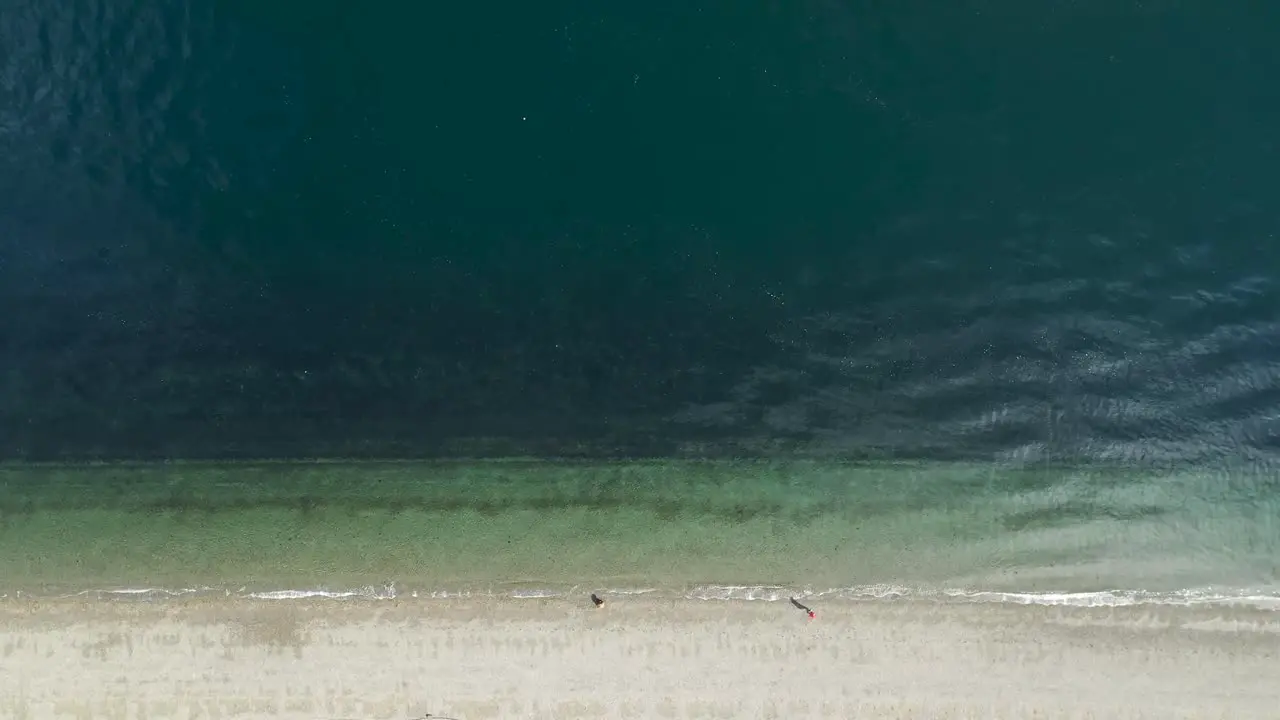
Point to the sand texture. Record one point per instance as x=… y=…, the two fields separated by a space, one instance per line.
x=633 y=658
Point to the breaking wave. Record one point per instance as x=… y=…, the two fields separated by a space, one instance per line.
x=1257 y=598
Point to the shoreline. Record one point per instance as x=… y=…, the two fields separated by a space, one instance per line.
x=1222 y=598
x=634 y=657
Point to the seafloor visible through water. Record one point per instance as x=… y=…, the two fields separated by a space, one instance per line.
x=723 y=530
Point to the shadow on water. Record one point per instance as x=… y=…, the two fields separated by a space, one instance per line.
x=1071 y=513
x=729 y=493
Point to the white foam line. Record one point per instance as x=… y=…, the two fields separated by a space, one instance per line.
x=767 y=593
x=387 y=592
x=534 y=594
x=1268 y=599
x=446 y=594
x=299 y=594
x=874 y=592
x=134 y=592
x=1122 y=598
x=1262 y=598
x=149 y=591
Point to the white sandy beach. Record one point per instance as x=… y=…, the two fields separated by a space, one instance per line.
x=633 y=658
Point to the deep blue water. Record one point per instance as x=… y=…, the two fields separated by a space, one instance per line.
x=992 y=230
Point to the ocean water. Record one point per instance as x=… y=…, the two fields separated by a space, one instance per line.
x=700 y=299
x=707 y=530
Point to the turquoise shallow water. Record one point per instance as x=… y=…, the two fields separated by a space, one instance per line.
x=700 y=529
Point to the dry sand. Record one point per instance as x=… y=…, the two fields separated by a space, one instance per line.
x=633 y=658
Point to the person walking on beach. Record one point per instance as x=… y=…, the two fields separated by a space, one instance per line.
x=804 y=608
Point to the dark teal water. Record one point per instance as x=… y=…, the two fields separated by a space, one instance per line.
x=991 y=230
x=990 y=287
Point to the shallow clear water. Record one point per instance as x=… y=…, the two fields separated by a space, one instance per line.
x=744 y=530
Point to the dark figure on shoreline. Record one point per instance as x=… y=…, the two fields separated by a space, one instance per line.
x=596 y=599
x=804 y=608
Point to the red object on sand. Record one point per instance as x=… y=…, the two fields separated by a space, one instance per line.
x=812 y=615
